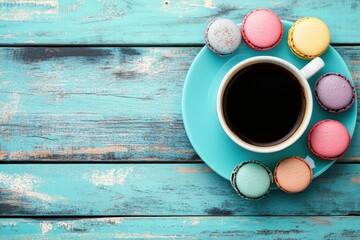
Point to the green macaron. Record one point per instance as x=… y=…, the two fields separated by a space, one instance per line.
x=251 y=180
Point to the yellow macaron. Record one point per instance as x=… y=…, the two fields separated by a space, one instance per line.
x=309 y=37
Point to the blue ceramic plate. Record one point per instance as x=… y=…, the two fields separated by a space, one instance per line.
x=202 y=125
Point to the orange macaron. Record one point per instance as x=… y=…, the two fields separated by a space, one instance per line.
x=293 y=174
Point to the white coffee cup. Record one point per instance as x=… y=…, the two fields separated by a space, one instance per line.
x=301 y=75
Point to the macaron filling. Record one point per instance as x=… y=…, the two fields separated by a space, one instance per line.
x=262 y=29
x=251 y=180
x=328 y=139
x=293 y=174
x=334 y=92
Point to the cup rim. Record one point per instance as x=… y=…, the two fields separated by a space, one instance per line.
x=307 y=94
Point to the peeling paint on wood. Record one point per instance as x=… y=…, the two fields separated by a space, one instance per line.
x=252 y=227
x=322 y=221
x=161 y=189
x=24 y=186
x=114 y=104
x=201 y=169
x=356 y=180
x=206 y=3
x=127 y=22
x=46 y=226
x=85 y=104
x=10 y=108
x=52 y=3
x=27 y=10
x=91 y=104
x=35 y=54
x=209 y=4
x=91 y=151
x=108 y=177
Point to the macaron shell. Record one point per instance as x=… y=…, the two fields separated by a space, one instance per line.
x=334 y=92
x=309 y=37
x=262 y=29
x=251 y=180
x=293 y=175
x=222 y=36
x=328 y=139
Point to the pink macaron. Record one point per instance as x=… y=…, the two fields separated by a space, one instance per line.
x=328 y=139
x=262 y=29
x=334 y=92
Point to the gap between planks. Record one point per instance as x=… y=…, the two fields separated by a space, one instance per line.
x=140 y=162
x=16 y=45
x=137 y=162
x=74 y=217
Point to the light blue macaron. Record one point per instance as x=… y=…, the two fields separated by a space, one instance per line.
x=251 y=180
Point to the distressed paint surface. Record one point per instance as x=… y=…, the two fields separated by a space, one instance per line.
x=96 y=104
x=119 y=104
x=183 y=228
x=171 y=21
x=161 y=189
x=93 y=104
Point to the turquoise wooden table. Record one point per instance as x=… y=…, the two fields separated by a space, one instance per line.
x=92 y=141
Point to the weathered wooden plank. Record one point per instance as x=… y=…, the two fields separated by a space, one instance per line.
x=161 y=189
x=165 y=21
x=110 y=104
x=183 y=228
x=353 y=63
x=93 y=103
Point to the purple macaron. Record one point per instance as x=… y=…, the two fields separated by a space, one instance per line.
x=222 y=36
x=334 y=92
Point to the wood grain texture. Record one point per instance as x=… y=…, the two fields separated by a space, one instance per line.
x=93 y=103
x=124 y=104
x=96 y=104
x=50 y=101
x=161 y=189
x=183 y=228
x=172 y=21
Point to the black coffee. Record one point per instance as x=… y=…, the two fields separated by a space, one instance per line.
x=264 y=104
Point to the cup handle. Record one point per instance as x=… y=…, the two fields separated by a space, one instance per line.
x=312 y=67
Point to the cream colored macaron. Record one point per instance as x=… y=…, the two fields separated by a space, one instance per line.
x=309 y=37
